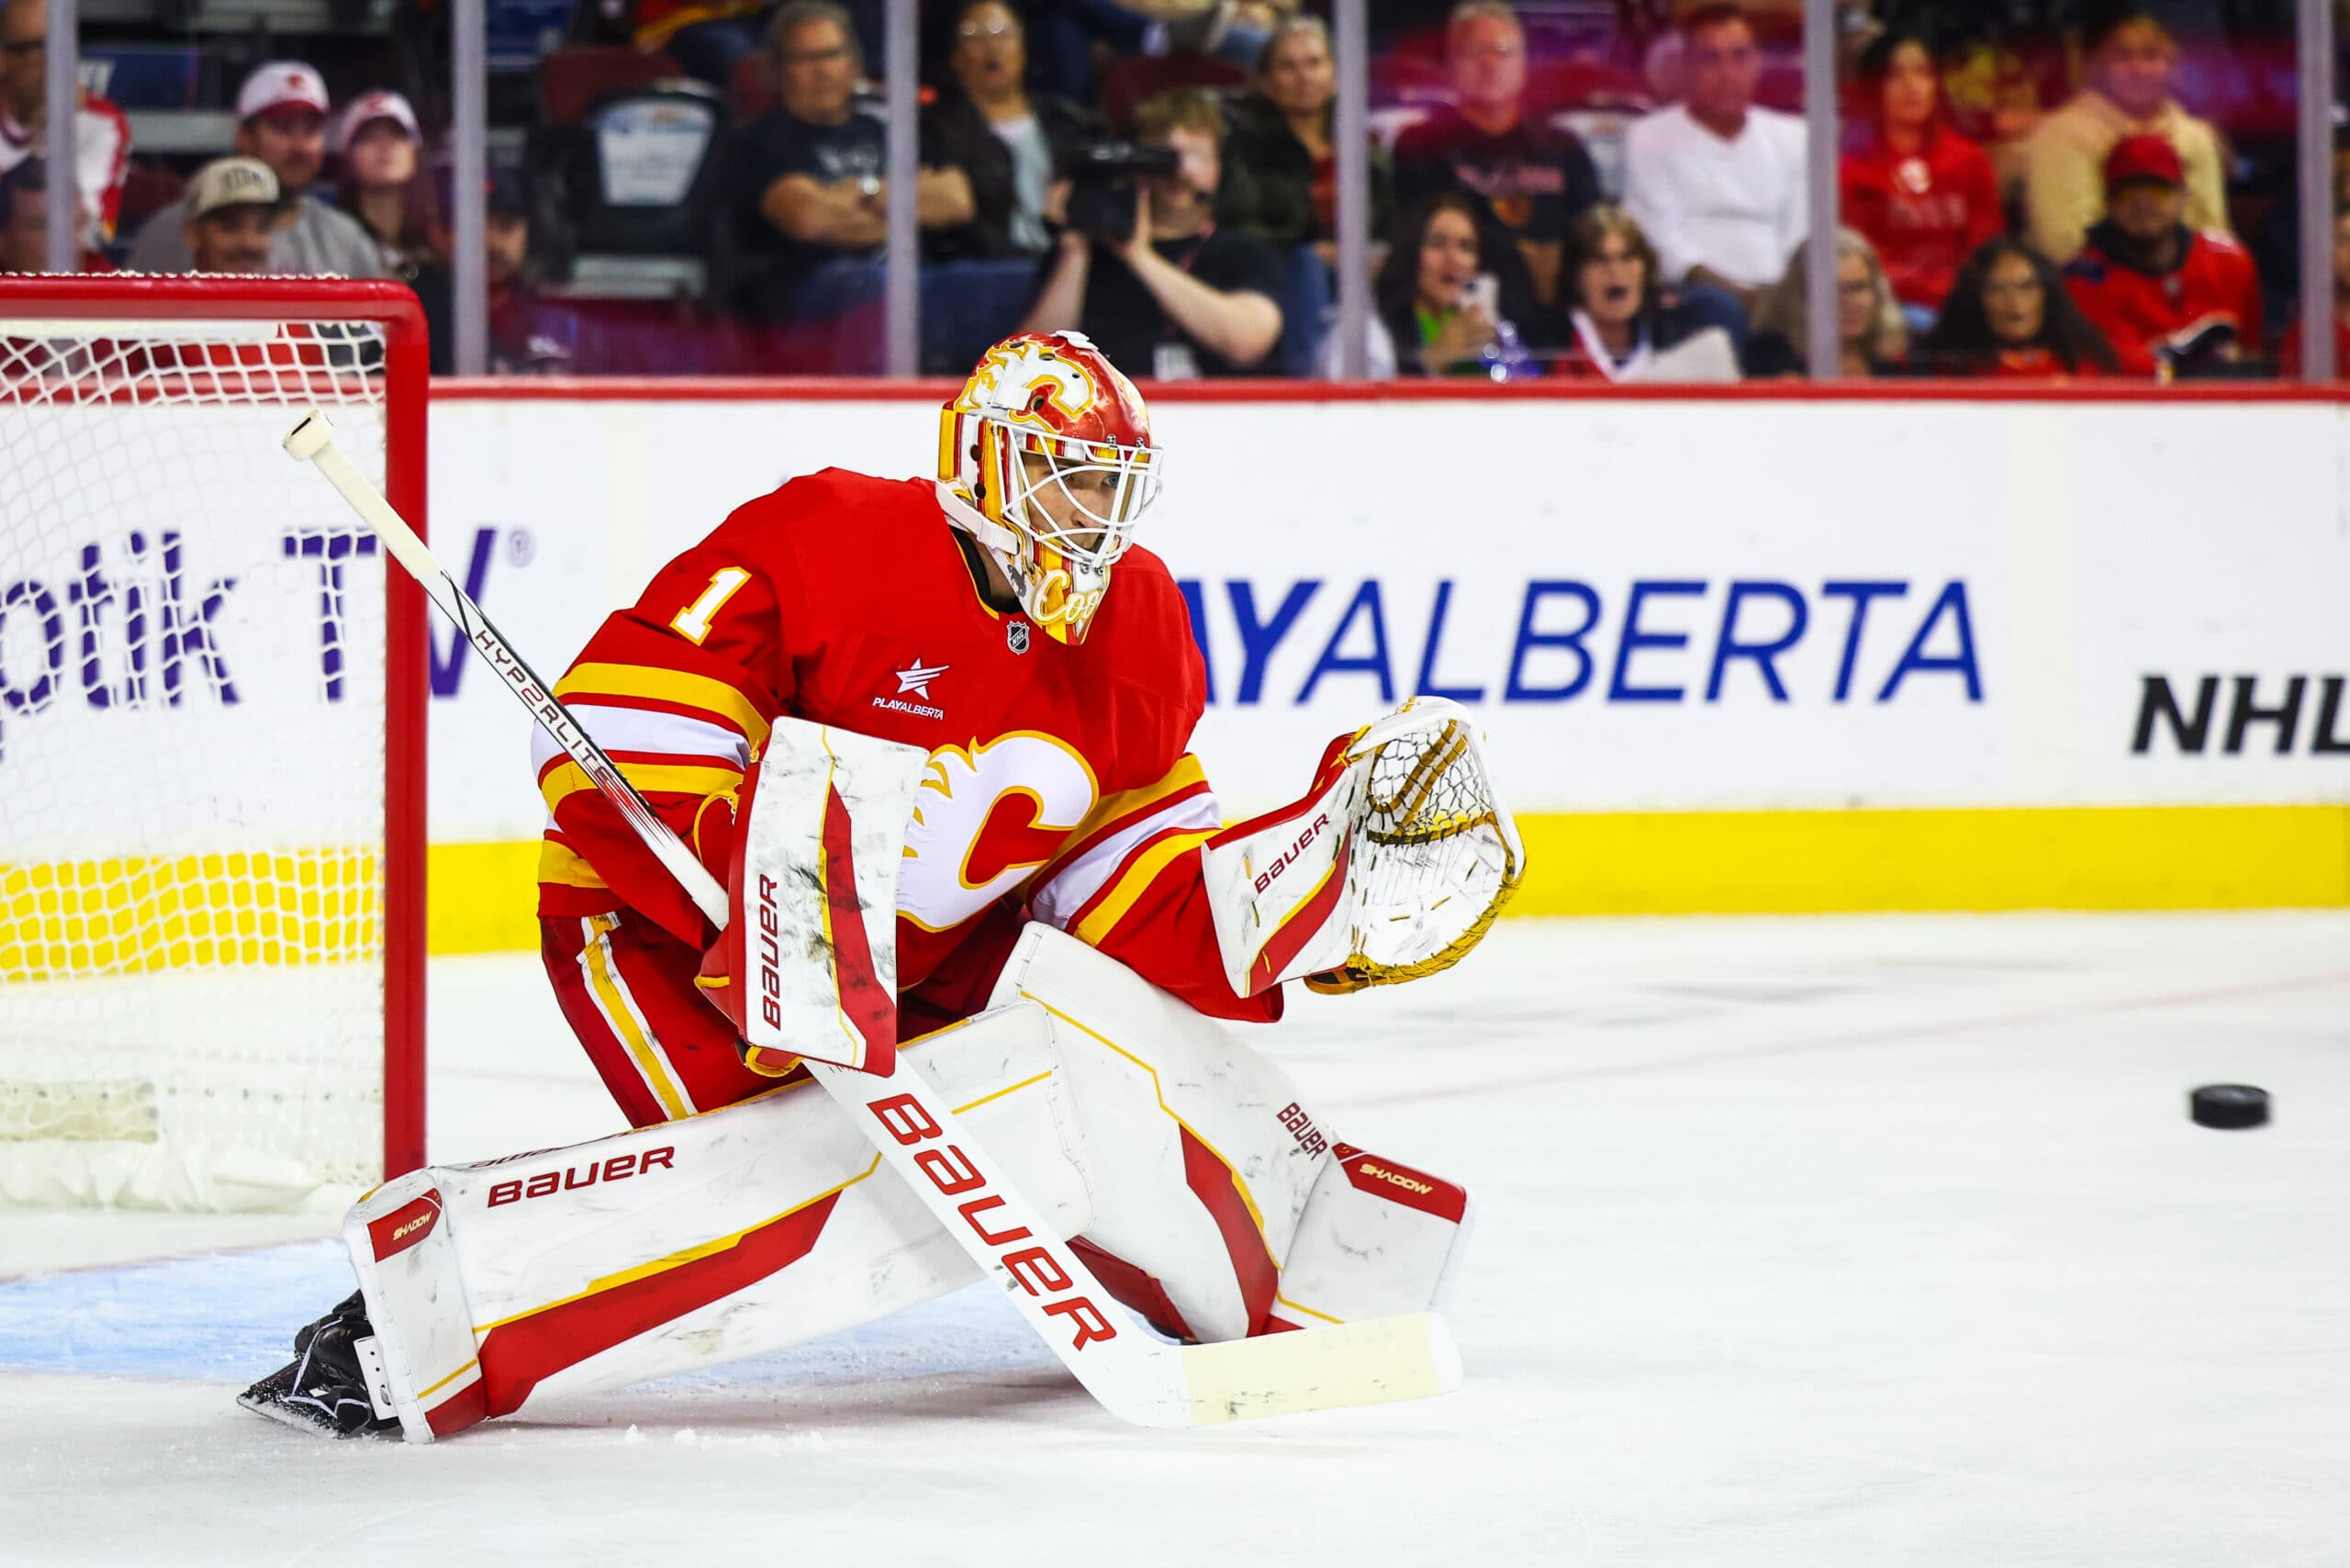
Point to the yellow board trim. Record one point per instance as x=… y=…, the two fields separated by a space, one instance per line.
x=132 y=913
x=588 y=682
x=168 y=911
x=2108 y=857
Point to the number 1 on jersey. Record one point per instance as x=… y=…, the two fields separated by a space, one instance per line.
x=692 y=623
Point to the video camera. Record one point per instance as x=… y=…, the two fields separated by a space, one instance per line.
x=1101 y=174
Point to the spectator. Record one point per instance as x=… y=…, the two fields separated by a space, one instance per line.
x=1533 y=178
x=2293 y=357
x=2128 y=94
x=1281 y=176
x=24 y=217
x=1923 y=195
x=1870 y=334
x=1716 y=183
x=230 y=206
x=529 y=334
x=1011 y=144
x=812 y=180
x=378 y=142
x=2165 y=296
x=100 y=134
x=1439 y=312
x=281 y=121
x=2007 y=315
x=1176 y=293
x=1628 y=326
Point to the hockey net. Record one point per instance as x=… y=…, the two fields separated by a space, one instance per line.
x=211 y=704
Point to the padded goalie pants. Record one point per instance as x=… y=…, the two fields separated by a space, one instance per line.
x=627 y=989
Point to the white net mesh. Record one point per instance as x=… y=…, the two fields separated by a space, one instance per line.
x=191 y=734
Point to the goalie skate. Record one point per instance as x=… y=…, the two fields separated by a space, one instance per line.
x=324 y=1388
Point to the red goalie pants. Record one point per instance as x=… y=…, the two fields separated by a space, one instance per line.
x=627 y=989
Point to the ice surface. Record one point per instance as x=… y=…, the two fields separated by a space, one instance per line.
x=1820 y=1242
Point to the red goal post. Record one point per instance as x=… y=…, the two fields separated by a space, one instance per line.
x=243 y=891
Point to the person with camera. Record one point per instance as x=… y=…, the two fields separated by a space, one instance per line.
x=1144 y=271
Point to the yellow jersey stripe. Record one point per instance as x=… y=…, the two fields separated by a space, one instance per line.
x=1132 y=882
x=561 y=864
x=1186 y=772
x=651 y=777
x=665 y=686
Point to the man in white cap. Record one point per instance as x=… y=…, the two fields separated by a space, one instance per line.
x=231 y=205
x=282 y=122
x=100 y=134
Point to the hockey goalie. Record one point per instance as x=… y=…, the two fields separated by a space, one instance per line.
x=932 y=738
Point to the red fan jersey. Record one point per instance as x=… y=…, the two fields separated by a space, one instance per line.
x=1061 y=785
x=2144 y=315
x=1925 y=211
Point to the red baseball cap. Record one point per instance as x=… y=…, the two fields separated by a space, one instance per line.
x=2143 y=158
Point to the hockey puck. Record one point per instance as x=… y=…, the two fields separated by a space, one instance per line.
x=2229 y=1105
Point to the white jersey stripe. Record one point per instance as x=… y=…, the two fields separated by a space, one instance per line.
x=645 y=730
x=1074 y=884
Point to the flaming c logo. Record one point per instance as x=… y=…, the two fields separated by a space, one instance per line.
x=985 y=817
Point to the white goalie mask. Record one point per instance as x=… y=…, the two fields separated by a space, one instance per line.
x=1047 y=412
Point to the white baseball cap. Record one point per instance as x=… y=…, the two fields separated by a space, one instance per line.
x=379 y=103
x=281 y=83
x=230 y=181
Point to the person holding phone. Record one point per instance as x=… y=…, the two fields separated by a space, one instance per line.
x=1441 y=311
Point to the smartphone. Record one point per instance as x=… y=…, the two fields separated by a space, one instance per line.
x=1484 y=292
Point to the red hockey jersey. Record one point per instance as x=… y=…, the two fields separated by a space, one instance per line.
x=1061 y=785
x=2145 y=314
x=1925 y=211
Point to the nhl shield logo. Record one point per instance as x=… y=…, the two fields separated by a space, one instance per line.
x=1015 y=636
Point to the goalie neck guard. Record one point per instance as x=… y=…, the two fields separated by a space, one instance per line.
x=1045 y=458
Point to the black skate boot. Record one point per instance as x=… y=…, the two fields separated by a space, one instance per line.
x=323 y=1390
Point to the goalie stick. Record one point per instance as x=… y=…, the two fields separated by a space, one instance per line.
x=1141 y=1380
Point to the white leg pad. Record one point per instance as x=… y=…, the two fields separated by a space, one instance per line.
x=1182 y=1116
x=1376 y=1239
x=666 y=1249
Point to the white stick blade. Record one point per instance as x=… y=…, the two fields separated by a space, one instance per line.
x=1409 y=1356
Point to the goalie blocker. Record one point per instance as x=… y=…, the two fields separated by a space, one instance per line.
x=1191 y=1177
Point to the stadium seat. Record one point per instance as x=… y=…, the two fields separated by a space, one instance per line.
x=578 y=74
x=637 y=190
x=1127 y=84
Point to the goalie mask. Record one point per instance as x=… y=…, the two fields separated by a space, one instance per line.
x=1046 y=457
